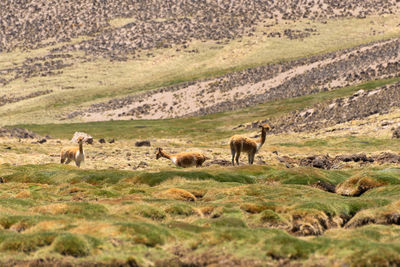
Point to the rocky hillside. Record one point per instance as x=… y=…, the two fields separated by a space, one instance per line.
x=123 y=60
x=33 y=24
x=257 y=85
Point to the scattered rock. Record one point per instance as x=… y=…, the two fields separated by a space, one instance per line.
x=18 y=133
x=387 y=157
x=102 y=141
x=320 y=162
x=111 y=141
x=41 y=141
x=142 y=143
x=142 y=164
x=86 y=137
x=396 y=133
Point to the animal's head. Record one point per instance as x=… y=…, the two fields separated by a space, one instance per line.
x=158 y=152
x=80 y=139
x=266 y=127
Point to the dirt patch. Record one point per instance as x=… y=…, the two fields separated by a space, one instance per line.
x=325 y=186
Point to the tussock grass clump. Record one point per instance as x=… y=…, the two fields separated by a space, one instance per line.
x=187 y=227
x=57 y=174
x=145 y=233
x=81 y=209
x=272 y=219
x=178 y=194
x=136 y=191
x=257 y=207
x=306 y=176
x=228 y=222
x=71 y=245
x=180 y=209
x=106 y=193
x=284 y=246
x=21 y=222
x=357 y=185
x=150 y=212
x=16 y=203
x=25 y=242
x=389 y=214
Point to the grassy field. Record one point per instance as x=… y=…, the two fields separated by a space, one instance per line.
x=202 y=128
x=101 y=80
x=166 y=216
x=253 y=214
x=124 y=207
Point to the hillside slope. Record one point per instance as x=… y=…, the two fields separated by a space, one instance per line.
x=91 y=61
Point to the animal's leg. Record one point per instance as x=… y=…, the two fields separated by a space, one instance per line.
x=78 y=163
x=252 y=158
x=238 y=150
x=62 y=159
x=68 y=161
x=233 y=154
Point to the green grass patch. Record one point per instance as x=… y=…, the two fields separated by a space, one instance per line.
x=180 y=209
x=214 y=126
x=10 y=241
x=71 y=245
x=144 y=233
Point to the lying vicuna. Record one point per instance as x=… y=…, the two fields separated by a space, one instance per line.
x=184 y=159
x=240 y=144
x=73 y=153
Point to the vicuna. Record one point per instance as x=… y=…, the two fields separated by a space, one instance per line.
x=184 y=159
x=73 y=153
x=240 y=144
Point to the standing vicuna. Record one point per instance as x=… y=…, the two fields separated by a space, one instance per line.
x=240 y=144
x=184 y=159
x=73 y=153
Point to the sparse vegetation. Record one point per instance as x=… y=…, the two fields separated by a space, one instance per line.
x=324 y=189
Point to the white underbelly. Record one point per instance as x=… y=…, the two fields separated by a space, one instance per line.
x=173 y=159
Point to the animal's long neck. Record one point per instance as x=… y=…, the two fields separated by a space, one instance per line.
x=81 y=148
x=262 y=139
x=165 y=155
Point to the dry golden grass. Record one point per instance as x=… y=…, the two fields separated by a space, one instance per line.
x=355 y=186
x=58 y=208
x=177 y=194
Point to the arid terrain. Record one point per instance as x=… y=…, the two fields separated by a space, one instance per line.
x=186 y=76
